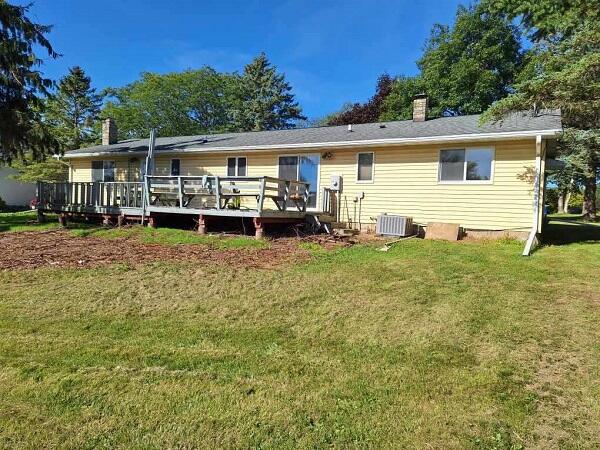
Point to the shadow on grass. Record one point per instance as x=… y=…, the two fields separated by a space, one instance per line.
x=568 y=230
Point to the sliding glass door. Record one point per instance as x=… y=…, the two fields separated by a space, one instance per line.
x=302 y=168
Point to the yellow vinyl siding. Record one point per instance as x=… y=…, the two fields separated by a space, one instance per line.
x=81 y=169
x=405 y=181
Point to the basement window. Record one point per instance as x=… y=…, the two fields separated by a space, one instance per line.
x=365 y=167
x=236 y=166
x=175 y=167
x=473 y=165
x=103 y=171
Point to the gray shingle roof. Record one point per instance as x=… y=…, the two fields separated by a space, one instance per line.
x=407 y=129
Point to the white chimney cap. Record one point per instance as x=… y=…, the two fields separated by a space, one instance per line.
x=349 y=127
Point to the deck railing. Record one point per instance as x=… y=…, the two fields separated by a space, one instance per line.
x=198 y=192
x=118 y=194
x=329 y=202
x=226 y=192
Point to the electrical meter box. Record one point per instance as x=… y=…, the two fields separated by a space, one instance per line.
x=335 y=183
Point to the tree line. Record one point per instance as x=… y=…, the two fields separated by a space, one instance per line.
x=477 y=65
x=480 y=66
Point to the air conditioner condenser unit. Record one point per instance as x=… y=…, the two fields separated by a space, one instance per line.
x=392 y=225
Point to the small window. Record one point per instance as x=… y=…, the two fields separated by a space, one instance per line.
x=109 y=171
x=175 y=167
x=365 y=167
x=97 y=171
x=103 y=171
x=241 y=169
x=466 y=165
x=236 y=167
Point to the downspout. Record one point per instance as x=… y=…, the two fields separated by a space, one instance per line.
x=532 y=240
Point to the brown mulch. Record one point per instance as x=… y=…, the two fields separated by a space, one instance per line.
x=59 y=248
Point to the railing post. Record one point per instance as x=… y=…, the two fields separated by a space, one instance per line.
x=305 y=196
x=180 y=191
x=218 y=192
x=261 y=194
x=286 y=194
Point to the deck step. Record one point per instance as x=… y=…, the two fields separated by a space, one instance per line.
x=345 y=232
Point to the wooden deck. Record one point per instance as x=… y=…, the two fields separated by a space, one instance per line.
x=264 y=199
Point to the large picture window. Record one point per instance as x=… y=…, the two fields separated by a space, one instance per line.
x=466 y=165
x=103 y=171
x=236 y=167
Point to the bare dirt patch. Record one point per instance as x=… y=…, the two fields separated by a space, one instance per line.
x=59 y=248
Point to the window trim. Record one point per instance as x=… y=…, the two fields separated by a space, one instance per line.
x=464 y=180
x=372 y=180
x=171 y=167
x=237 y=166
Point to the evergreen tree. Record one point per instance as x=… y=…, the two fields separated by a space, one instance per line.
x=73 y=110
x=563 y=72
x=22 y=85
x=264 y=99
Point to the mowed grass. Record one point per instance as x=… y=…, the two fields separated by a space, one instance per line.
x=429 y=345
x=25 y=221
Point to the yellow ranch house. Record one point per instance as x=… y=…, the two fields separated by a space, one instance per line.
x=486 y=178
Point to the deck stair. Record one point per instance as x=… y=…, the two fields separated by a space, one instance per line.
x=345 y=232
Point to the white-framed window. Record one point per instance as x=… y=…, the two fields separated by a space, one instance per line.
x=466 y=165
x=175 y=167
x=365 y=162
x=103 y=171
x=237 y=166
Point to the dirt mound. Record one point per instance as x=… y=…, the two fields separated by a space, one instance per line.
x=59 y=248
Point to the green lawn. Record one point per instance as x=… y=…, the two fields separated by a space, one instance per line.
x=25 y=221
x=429 y=345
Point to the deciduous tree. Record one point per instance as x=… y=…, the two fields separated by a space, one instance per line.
x=398 y=105
x=563 y=73
x=52 y=170
x=369 y=111
x=471 y=64
x=175 y=104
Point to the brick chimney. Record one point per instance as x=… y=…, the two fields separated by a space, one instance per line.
x=109 y=132
x=420 y=103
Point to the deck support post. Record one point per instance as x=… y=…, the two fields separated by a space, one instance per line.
x=40 y=216
x=152 y=222
x=201 y=224
x=62 y=219
x=258 y=225
x=106 y=221
x=120 y=220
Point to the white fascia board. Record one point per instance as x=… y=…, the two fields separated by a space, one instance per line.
x=348 y=144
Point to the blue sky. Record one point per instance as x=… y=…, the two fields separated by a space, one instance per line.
x=331 y=51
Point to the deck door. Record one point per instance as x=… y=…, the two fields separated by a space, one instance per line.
x=302 y=168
